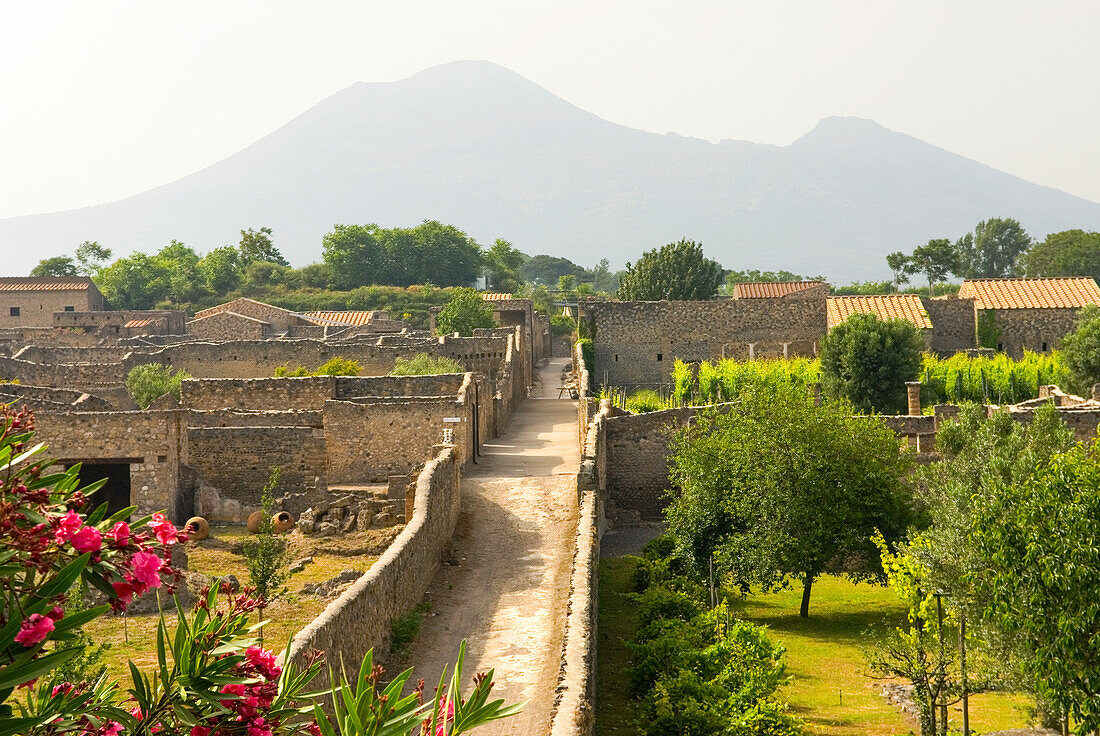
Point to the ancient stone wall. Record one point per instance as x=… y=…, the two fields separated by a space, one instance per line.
x=246 y=418
x=236 y=462
x=56 y=399
x=359 y=620
x=78 y=376
x=636 y=343
x=51 y=353
x=35 y=307
x=954 y=324
x=228 y=326
x=1037 y=330
x=262 y=394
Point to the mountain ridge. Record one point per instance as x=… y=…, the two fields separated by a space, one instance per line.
x=478 y=146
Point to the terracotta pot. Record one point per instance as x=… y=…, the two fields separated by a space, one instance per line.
x=282 y=522
x=255 y=520
x=197 y=528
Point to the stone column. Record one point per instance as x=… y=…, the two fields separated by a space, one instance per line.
x=912 y=389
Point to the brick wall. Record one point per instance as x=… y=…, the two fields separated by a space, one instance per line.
x=636 y=343
x=359 y=620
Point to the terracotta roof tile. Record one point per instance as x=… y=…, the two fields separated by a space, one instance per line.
x=886 y=306
x=767 y=289
x=45 y=283
x=352 y=318
x=138 y=323
x=1063 y=293
x=490 y=296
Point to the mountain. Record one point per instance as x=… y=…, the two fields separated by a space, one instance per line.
x=478 y=146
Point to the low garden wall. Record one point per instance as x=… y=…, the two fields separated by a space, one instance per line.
x=360 y=619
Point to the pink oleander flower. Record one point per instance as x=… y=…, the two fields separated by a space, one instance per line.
x=200 y=731
x=34 y=629
x=264 y=661
x=120 y=533
x=67 y=526
x=125 y=593
x=446 y=715
x=88 y=539
x=146 y=569
x=163 y=529
x=110 y=728
x=62 y=689
x=56 y=613
x=314 y=729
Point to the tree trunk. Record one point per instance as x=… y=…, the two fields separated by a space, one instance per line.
x=804 y=612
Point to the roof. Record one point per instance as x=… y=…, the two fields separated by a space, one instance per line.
x=138 y=323
x=45 y=283
x=770 y=289
x=491 y=296
x=242 y=301
x=349 y=318
x=229 y=313
x=886 y=306
x=1065 y=293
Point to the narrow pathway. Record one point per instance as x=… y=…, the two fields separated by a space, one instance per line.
x=507 y=586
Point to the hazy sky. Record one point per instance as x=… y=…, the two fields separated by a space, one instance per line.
x=103 y=99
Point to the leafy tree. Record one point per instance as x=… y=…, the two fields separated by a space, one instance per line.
x=147 y=383
x=136 y=282
x=936 y=260
x=465 y=312
x=867 y=361
x=220 y=270
x=603 y=280
x=256 y=245
x=567 y=287
x=423 y=364
x=992 y=250
x=315 y=276
x=91 y=256
x=55 y=266
x=354 y=254
x=539 y=296
x=185 y=280
x=1068 y=253
x=267 y=554
x=1081 y=350
x=780 y=490
x=867 y=287
x=546 y=270
x=677 y=271
x=1038 y=539
x=504 y=263
x=438 y=254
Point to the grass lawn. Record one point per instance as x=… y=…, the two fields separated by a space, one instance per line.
x=134 y=637
x=830 y=689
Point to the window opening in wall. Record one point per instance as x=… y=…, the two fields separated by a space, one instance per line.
x=1000 y=347
x=70 y=309
x=660 y=356
x=13 y=311
x=616 y=358
x=1044 y=347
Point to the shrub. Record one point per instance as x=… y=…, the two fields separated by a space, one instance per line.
x=147 y=383
x=562 y=325
x=1081 y=351
x=995 y=379
x=335 y=366
x=465 y=312
x=266 y=555
x=645 y=400
x=423 y=364
x=867 y=361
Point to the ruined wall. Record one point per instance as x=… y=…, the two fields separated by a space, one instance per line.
x=227 y=326
x=359 y=619
x=50 y=353
x=369 y=440
x=1037 y=330
x=954 y=324
x=151 y=441
x=260 y=358
x=262 y=394
x=236 y=462
x=53 y=399
x=77 y=376
x=636 y=343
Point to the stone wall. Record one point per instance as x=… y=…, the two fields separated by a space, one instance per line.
x=77 y=376
x=51 y=353
x=236 y=462
x=954 y=324
x=359 y=620
x=227 y=326
x=36 y=307
x=1037 y=330
x=636 y=343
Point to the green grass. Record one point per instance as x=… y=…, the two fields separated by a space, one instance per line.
x=831 y=688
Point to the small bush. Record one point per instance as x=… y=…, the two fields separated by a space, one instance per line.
x=423 y=364
x=336 y=366
x=645 y=400
x=403 y=629
x=465 y=312
x=562 y=325
x=147 y=383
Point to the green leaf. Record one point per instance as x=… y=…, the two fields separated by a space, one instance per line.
x=15 y=676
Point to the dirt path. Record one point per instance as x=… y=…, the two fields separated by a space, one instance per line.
x=513 y=547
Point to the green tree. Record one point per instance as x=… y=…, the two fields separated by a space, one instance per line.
x=1039 y=541
x=901 y=265
x=148 y=382
x=55 y=266
x=603 y=280
x=937 y=259
x=1081 y=351
x=315 y=276
x=267 y=554
x=256 y=245
x=1068 y=253
x=756 y=276
x=91 y=256
x=441 y=255
x=778 y=489
x=546 y=270
x=354 y=254
x=992 y=250
x=567 y=287
x=465 y=312
x=677 y=271
x=220 y=270
x=504 y=263
x=185 y=280
x=867 y=361
x=135 y=282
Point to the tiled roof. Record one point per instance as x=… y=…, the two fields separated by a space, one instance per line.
x=350 y=318
x=1067 y=293
x=138 y=323
x=491 y=296
x=45 y=283
x=766 y=289
x=886 y=306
